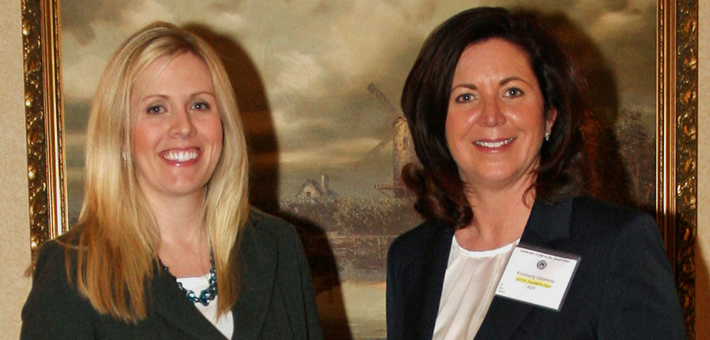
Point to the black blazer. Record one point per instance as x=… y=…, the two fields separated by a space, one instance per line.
x=276 y=299
x=623 y=287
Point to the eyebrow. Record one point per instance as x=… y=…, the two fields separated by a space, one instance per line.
x=165 y=96
x=151 y=96
x=464 y=85
x=513 y=78
x=502 y=82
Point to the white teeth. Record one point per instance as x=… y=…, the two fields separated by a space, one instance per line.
x=494 y=144
x=181 y=156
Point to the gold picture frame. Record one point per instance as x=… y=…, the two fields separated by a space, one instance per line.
x=676 y=132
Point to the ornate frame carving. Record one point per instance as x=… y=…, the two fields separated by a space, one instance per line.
x=677 y=146
x=44 y=120
x=676 y=134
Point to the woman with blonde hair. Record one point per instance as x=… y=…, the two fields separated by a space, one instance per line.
x=166 y=245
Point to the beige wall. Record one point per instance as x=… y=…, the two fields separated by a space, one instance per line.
x=14 y=217
x=14 y=247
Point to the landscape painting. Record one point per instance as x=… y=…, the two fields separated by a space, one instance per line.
x=318 y=84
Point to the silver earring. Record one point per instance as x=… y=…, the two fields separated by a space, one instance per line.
x=547 y=136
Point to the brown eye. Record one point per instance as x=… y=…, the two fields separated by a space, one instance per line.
x=466 y=97
x=155 y=109
x=514 y=92
x=201 y=106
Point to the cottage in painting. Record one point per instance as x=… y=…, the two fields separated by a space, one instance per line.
x=312 y=189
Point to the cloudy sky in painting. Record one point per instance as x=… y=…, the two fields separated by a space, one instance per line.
x=316 y=59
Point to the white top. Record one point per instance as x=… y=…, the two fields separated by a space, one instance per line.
x=225 y=323
x=469 y=287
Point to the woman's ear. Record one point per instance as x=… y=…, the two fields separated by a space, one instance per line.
x=550 y=120
x=124 y=153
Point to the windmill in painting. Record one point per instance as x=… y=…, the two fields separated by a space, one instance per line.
x=402 y=147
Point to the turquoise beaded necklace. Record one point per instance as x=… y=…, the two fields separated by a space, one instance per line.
x=208 y=294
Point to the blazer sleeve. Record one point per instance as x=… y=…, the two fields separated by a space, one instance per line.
x=640 y=299
x=54 y=308
x=393 y=308
x=313 y=327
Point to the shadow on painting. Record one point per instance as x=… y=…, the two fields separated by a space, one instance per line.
x=256 y=116
x=621 y=153
x=264 y=177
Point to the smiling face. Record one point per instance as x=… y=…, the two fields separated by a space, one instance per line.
x=177 y=130
x=495 y=124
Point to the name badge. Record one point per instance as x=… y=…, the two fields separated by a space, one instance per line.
x=539 y=277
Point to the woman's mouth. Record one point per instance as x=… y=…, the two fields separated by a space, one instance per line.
x=493 y=144
x=181 y=155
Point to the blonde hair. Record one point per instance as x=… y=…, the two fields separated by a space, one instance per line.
x=118 y=235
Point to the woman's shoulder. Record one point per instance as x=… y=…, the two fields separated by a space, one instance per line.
x=52 y=253
x=594 y=209
x=53 y=292
x=262 y=222
x=594 y=205
x=410 y=244
x=421 y=232
x=593 y=216
x=263 y=227
x=50 y=257
x=623 y=249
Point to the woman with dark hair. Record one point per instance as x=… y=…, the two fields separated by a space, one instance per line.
x=510 y=250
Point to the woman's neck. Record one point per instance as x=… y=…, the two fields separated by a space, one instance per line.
x=184 y=246
x=499 y=217
x=177 y=217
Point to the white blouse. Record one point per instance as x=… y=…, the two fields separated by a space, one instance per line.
x=225 y=323
x=469 y=287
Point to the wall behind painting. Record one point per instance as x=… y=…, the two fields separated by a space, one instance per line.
x=14 y=244
x=14 y=213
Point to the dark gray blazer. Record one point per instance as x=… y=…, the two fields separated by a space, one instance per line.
x=276 y=300
x=623 y=288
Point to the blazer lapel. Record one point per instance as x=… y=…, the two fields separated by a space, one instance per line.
x=435 y=263
x=172 y=304
x=547 y=223
x=258 y=259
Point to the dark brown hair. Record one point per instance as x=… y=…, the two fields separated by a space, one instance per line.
x=425 y=101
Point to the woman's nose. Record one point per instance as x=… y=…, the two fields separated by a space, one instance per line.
x=181 y=124
x=491 y=114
